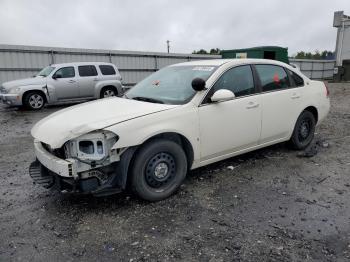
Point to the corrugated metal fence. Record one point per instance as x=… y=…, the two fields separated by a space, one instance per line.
x=17 y=61
x=315 y=69
x=24 y=61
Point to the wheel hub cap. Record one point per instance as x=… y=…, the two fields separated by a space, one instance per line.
x=304 y=130
x=161 y=170
x=108 y=93
x=36 y=101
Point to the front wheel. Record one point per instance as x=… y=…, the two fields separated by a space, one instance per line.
x=303 y=131
x=158 y=170
x=34 y=100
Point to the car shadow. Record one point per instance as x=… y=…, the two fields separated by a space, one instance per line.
x=127 y=199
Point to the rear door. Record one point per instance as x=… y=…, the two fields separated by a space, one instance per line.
x=280 y=99
x=88 y=77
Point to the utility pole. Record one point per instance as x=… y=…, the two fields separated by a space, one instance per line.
x=168 y=45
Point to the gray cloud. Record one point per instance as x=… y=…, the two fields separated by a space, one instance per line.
x=189 y=25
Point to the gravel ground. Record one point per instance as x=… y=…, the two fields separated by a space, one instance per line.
x=268 y=205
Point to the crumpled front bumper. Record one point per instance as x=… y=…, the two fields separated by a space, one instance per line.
x=61 y=167
x=50 y=171
x=11 y=99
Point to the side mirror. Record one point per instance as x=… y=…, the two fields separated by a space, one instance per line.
x=56 y=76
x=222 y=95
x=198 y=84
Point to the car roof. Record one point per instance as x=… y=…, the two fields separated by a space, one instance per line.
x=235 y=61
x=82 y=63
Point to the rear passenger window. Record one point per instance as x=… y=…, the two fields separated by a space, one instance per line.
x=272 y=77
x=107 y=70
x=87 y=70
x=238 y=79
x=298 y=80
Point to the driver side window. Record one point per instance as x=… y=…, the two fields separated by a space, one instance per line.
x=65 y=72
x=239 y=80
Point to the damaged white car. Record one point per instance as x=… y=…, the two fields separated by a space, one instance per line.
x=182 y=117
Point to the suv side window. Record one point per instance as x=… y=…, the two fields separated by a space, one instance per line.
x=272 y=77
x=87 y=70
x=238 y=79
x=65 y=72
x=298 y=80
x=107 y=70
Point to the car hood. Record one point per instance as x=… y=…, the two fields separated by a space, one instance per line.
x=25 y=82
x=74 y=121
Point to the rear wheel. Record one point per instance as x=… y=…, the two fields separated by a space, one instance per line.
x=108 y=92
x=303 y=131
x=34 y=100
x=158 y=170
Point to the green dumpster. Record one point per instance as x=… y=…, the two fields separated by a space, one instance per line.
x=264 y=52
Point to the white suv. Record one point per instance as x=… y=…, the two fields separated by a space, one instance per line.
x=69 y=82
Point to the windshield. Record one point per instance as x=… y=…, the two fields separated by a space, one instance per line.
x=170 y=85
x=46 y=71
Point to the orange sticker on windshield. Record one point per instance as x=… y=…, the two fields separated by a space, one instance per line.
x=276 y=78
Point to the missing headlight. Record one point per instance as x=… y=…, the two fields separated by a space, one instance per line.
x=86 y=147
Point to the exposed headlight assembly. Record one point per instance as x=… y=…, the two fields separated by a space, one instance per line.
x=93 y=146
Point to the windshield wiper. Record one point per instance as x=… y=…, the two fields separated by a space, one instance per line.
x=147 y=99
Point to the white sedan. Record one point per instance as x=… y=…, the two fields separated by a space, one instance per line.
x=182 y=117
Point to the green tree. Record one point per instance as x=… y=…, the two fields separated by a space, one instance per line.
x=213 y=51
x=316 y=55
x=201 y=51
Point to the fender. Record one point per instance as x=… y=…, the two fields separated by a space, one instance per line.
x=100 y=84
x=41 y=87
x=136 y=131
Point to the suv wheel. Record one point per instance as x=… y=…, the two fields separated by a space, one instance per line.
x=158 y=169
x=34 y=100
x=108 y=92
x=303 y=131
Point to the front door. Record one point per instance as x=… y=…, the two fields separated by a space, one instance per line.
x=234 y=125
x=64 y=84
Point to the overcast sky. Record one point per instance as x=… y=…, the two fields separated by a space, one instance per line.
x=145 y=25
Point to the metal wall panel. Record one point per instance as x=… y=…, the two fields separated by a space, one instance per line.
x=23 y=61
x=315 y=69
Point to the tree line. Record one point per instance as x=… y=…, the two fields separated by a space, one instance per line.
x=315 y=55
x=299 y=55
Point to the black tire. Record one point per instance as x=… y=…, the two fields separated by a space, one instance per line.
x=304 y=131
x=34 y=100
x=159 y=168
x=108 y=91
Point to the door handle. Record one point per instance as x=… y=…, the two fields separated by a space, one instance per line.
x=295 y=95
x=252 y=105
x=71 y=81
x=95 y=79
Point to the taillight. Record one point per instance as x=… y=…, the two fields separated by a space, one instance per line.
x=327 y=90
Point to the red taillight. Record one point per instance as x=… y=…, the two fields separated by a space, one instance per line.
x=327 y=90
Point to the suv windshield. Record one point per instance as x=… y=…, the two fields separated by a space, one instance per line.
x=170 y=85
x=46 y=71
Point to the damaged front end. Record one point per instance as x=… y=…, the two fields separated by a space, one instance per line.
x=88 y=165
